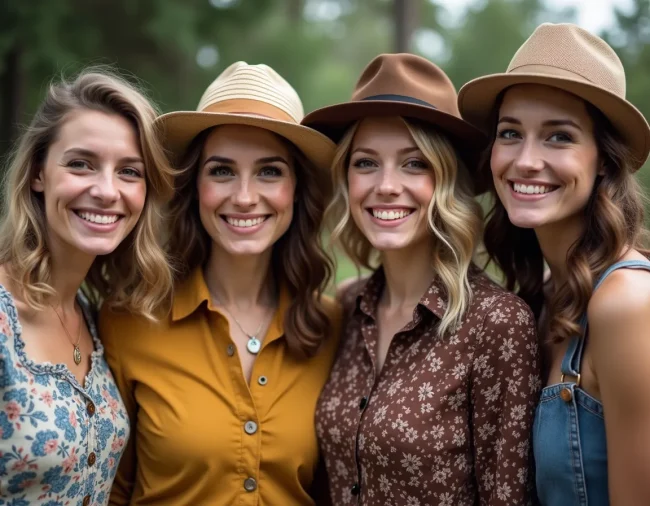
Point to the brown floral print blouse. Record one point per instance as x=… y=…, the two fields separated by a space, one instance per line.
x=447 y=421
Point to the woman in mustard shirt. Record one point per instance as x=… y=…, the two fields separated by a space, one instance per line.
x=222 y=393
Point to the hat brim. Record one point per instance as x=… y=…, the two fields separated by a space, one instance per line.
x=181 y=127
x=334 y=120
x=477 y=98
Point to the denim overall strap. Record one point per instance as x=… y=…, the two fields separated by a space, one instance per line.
x=573 y=356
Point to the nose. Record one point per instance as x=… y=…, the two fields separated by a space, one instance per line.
x=105 y=188
x=389 y=183
x=529 y=158
x=245 y=194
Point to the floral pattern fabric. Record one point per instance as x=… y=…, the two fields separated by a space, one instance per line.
x=447 y=421
x=60 y=442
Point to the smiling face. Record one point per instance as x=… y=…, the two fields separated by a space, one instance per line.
x=545 y=157
x=93 y=183
x=390 y=184
x=246 y=186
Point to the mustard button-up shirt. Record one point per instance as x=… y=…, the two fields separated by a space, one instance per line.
x=202 y=435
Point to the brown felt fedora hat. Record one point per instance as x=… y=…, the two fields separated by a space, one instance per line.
x=400 y=85
x=570 y=58
x=253 y=95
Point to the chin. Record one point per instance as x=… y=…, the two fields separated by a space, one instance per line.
x=526 y=221
x=248 y=249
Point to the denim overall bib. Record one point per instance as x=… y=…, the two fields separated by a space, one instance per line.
x=569 y=443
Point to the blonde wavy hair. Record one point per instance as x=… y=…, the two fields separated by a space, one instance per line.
x=454 y=216
x=136 y=276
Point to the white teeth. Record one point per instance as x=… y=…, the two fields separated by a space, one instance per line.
x=245 y=223
x=531 y=189
x=103 y=219
x=391 y=215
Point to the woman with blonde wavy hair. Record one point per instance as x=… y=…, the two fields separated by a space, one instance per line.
x=222 y=393
x=83 y=194
x=430 y=400
x=565 y=145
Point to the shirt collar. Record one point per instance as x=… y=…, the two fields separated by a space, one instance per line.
x=193 y=292
x=434 y=298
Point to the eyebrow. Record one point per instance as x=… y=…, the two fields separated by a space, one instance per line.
x=550 y=122
x=91 y=154
x=230 y=161
x=402 y=151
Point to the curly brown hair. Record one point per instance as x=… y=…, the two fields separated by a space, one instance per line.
x=299 y=260
x=614 y=220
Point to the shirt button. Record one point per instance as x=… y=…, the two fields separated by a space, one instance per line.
x=230 y=350
x=356 y=489
x=363 y=403
x=262 y=380
x=86 y=501
x=250 y=484
x=566 y=394
x=250 y=427
x=92 y=458
x=90 y=408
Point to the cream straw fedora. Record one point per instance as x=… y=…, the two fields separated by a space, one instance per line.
x=569 y=58
x=253 y=95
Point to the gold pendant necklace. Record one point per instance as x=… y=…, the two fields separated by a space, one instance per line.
x=76 y=353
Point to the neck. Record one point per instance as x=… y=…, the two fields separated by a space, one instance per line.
x=242 y=281
x=409 y=273
x=555 y=241
x=67 y=272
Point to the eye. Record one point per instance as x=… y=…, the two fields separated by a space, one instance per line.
x=508 y=134
x=364 y=163
x=78 y=164
x=131 y=172
x=220 y=171
x=560 y=137
x=270 y=171
x=417 y=164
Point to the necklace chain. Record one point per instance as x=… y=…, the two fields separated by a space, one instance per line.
x=76 y=352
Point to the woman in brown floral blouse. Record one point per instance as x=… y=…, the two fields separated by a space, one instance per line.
x=431 y=398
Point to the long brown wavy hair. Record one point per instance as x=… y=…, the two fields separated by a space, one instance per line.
x=299 y=260
x=613 y=221
x=136 y=276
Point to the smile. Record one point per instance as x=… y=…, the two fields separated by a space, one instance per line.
x=531 y=189
x=245 y=223
x=100 y=219
x=390 y=215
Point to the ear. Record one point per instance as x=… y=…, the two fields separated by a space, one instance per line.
x=37 y=183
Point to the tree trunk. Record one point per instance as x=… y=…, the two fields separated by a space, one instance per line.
x=405 y=16
x=11 y=84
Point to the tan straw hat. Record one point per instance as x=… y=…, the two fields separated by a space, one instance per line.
x=400 y=85
x=569 y=58
x=253 y=95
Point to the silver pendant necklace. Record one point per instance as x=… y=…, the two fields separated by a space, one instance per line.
x=254 y=345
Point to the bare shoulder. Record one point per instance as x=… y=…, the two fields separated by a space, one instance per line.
x=624 y=295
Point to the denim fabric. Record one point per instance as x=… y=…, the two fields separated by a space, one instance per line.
x=569 y=442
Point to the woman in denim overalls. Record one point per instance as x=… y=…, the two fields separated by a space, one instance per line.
x=566 y=143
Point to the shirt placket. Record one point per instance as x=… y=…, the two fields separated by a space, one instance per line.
x=91 y=448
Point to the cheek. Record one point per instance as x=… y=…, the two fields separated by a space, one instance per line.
x=136 y=195
x=282 y=196
x=497 y=161
x=211 y=195
x=358 y=187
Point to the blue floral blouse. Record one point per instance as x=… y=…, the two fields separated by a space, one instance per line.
x=60 y=442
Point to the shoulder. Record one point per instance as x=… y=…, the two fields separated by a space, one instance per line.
x=8 y=313
x=348 y=290
x=497 y=306
x=623 y=295
x=332 y=307
x=119 y=328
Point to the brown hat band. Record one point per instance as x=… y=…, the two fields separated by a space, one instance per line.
x=400 y=98
x=247 y=106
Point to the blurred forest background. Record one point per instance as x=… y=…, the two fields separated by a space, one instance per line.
x=177 y=47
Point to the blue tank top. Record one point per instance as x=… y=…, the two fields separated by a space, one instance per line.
x=569 y=442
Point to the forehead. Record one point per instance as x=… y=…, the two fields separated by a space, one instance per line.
x=98 y=131
x=236 y=141
x=384 y=131
x=525 y=101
